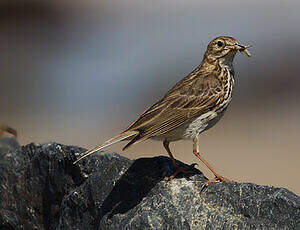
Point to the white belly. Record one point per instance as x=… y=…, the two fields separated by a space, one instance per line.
x=193 y=128
x=199 y=124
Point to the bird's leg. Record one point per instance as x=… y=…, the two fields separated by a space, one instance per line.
x=178 y=169
x=217 y=176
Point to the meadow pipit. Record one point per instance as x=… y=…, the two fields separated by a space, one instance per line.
x=193 y=105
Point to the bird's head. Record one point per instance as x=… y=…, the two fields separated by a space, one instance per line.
x=224 y=48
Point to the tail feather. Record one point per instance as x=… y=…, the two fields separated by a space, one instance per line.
x=134 y=140
x=107 y=143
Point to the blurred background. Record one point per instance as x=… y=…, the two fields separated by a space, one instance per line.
x=78 y=72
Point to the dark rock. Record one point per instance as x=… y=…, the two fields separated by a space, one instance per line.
x=42 y=189
x=8 y=144
x=34 y=180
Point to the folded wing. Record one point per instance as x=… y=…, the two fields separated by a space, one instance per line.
x=191 y=97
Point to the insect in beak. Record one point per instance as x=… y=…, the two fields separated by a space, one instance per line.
x=243 y=49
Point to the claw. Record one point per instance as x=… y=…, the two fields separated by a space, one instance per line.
x=202 y=188
x=187 y=170
x=217 y=178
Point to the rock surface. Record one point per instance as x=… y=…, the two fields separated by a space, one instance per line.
x=40 y=188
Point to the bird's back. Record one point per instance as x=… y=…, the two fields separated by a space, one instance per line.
x=207 y=89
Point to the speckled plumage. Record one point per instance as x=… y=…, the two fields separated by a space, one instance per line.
x=193 y=105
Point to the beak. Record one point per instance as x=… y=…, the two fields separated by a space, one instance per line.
x=244 y=49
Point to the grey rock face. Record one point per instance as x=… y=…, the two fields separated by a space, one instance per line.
x=8 y=144
x=42 y=189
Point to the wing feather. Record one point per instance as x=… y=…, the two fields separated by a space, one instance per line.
x=193 y=96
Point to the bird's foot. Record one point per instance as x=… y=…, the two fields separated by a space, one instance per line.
x=186 y=170
x=217 y=178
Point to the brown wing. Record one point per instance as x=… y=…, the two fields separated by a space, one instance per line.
x=193 y=96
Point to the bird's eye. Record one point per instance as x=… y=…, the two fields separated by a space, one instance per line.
x=220 y=43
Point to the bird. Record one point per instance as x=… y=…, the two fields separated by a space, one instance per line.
x=193 y=105
x=7 y=131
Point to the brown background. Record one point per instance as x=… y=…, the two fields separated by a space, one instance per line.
x=78 y=72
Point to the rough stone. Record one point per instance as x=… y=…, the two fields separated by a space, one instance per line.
x=40 y=188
